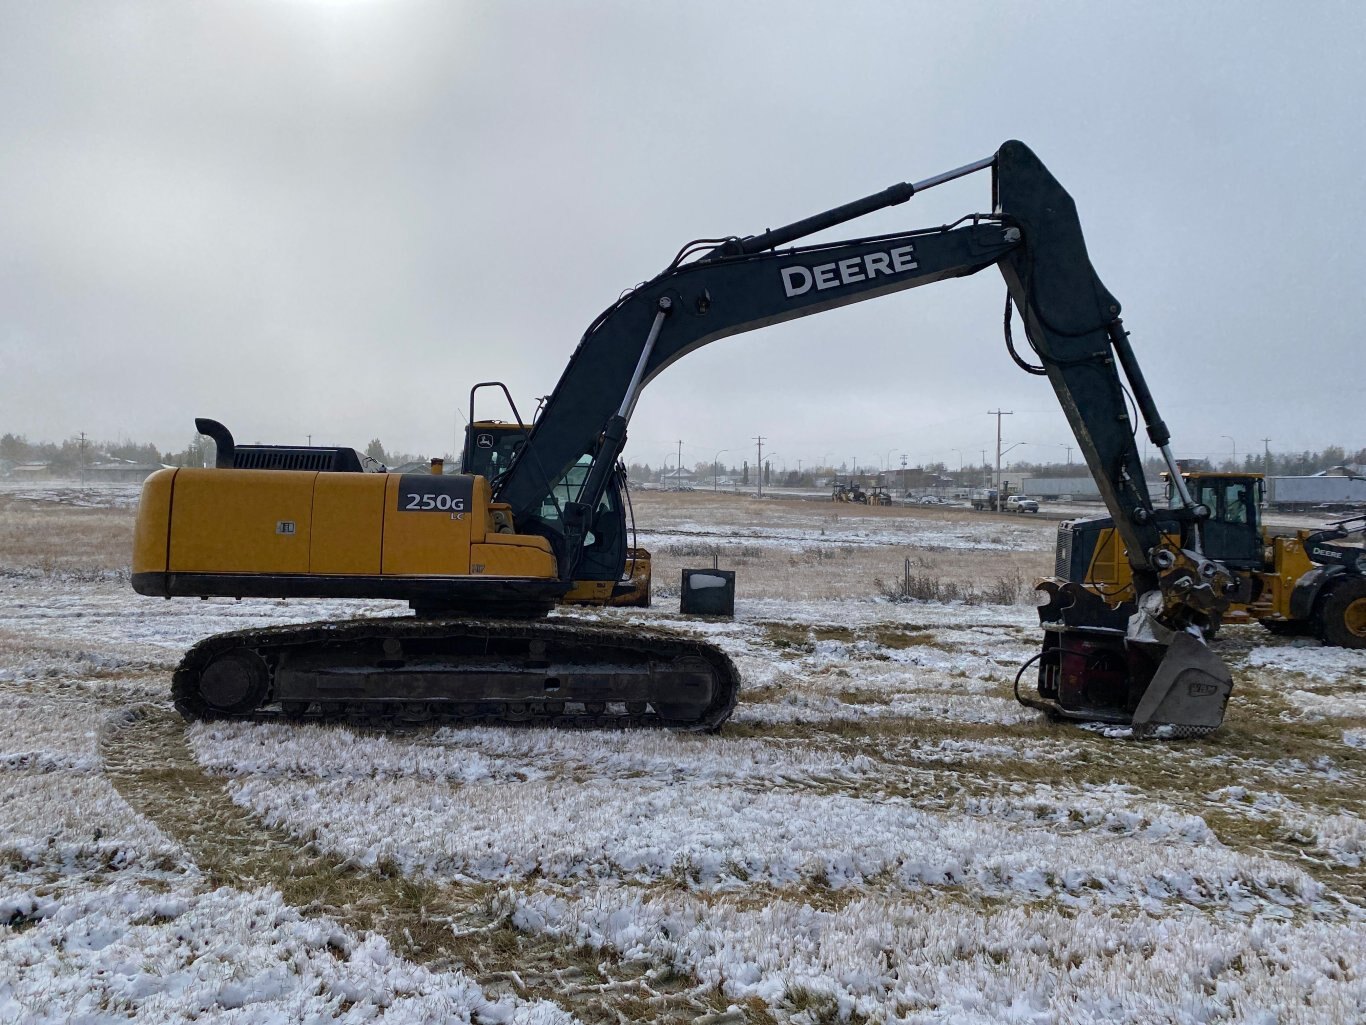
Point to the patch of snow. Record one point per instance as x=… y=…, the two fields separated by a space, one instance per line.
x=1316 y=661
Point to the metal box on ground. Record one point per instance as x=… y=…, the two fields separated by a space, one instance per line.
x=708 y=592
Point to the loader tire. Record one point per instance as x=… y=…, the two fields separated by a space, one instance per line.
x=1344 y=614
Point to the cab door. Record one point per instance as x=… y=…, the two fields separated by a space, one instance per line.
x=1232 y=535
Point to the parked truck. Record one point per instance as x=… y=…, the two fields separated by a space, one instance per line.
x=988 y=499
x=1323 y=491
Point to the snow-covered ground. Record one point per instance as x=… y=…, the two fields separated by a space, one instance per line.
x=880 y=834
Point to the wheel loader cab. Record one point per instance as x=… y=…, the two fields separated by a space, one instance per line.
x=1233 y=533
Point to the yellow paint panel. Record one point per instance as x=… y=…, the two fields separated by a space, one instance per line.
x=348 y=523
x=154 y=523
x=592 y=591
x=514 y=555
x=431 y=542
x=241 y=521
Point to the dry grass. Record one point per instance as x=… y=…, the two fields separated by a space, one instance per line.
x=835 y=569
x=49 y=538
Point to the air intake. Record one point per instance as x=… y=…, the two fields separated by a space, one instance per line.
x=232 y=456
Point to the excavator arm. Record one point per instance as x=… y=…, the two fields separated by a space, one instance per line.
x=719 y=288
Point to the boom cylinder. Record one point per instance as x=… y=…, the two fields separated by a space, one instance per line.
x=891 y=196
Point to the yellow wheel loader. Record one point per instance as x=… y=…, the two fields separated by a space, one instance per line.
x=1309 y=581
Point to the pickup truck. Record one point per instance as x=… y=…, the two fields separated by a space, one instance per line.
x=1021 y=504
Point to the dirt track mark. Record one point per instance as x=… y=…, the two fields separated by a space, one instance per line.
x=147 y=760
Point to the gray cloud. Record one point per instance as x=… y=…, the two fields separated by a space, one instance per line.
x=331 y=218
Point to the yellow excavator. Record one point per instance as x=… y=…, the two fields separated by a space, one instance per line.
x=481 y=557
x=1306 y=582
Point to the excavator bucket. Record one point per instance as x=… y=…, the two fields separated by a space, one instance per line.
x=1096 y=667
x=1187 y=694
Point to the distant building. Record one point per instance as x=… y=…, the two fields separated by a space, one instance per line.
x=119 y=472
x=29 y=471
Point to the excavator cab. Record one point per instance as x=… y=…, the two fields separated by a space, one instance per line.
x=609 y=570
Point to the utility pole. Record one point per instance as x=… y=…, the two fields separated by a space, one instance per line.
x=998 y=413
x=760 y=464
x=680 y=462
x=82 y=458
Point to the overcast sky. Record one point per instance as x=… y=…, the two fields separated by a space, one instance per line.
x=331 y=217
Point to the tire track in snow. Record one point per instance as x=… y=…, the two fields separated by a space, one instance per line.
x=147 y=760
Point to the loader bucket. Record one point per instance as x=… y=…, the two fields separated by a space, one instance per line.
x=1188 y=693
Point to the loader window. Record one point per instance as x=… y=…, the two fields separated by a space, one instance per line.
x=1237 y=508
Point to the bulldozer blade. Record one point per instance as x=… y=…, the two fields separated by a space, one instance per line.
x=1187 y=695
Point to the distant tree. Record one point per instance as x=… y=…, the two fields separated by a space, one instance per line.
x=133 y=452
x=375 y=451
x=201 y=451
x=768 y=472
x=14 y=447
x=744 y=481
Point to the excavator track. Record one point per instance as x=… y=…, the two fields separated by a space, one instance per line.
x=417 y=671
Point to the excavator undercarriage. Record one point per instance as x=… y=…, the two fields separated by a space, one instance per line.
x=410 y=671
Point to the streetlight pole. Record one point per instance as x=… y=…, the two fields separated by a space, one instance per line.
x=768 y=460
x=716 y=466
x=998 y=413
x=1000 y=503
x=1235 y=449
x=759 y=465
x=1056 y=444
